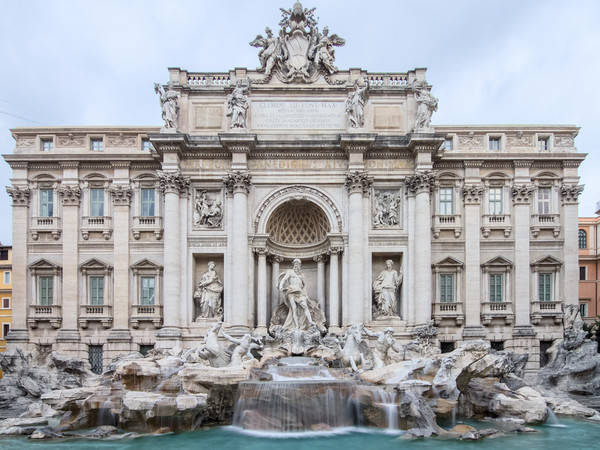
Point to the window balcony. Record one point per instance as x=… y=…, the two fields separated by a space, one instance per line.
x=540 y=310
x=44 y=313
x=98 y=313
x=151 y=224
x=96 y=224
x=146 y=313
x=446 y=222
x=45 y=225
x=448 y=310
x=497 y=310
x=545 y=222
x=496 y=222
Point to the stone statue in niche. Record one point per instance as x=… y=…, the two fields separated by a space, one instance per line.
x=385 y=288
x=238 y=103
x=208 y=295
x=297 y=311
x=386 y=209
x=355 y=106
x=426 y=105
x=385 y=341
x=207 y=210
x=169 y=103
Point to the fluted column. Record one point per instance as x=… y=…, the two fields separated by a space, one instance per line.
x=275 y=261
x=334 y=289
x=472 y=195
x=570 y=200
x=261 y=290
x=358 y=184
x=420 y=184
x=522 y=194
x=71 y=196
x=121 y=197
x=238 y=183
x=172 y=184
x=20 y=202
x=320 y=259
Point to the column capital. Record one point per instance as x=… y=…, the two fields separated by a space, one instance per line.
x=173 y=182
x=358 y=182
x=260 y=251
x=71 y=195
x=121 y=194
x=421 y=181
x=238 y=181
x=335 y=250
x=522 y=193
x=570 y=193
x=323 y=258
x=275 y=259
x=472 y=193
x=20 y=196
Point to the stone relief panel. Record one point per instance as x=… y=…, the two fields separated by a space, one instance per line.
x=386 y=208
x=208 y=209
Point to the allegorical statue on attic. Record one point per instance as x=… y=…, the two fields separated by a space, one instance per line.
x=355 y=105
x=169 y=103
x=300 y=53
x=238 y=103
x=427 y=104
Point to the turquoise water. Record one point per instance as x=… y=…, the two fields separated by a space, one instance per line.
x=575 y=435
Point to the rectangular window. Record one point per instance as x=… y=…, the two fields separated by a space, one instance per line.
x=446 y=288
x=46 y=288
x=4 y=254
x=446 y=201
x=47 y=145
x=494 y=143
x=96 y=355
x=496 y=200
x=145 y=348
x=583 y=310
x=497 y=345
x=545 y=287
x=543 y=144
x=6 y=277
x=97 y=290
x=96 y=144
x=496 y=282
x=147 y=291
x=544 y=201
x=5 y=329
x=96 y=202
x=582 y=273
x=147 y=202
x=146 y=145
x=6 y=302
x=447 y=145
x=46 y=202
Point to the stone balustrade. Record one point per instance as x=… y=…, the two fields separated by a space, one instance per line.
x=448 y=310
x=491 y=310
x=50 y=225
x=553 y=310
x=45 y=313
x=545 y=222
x=450 y=222
x=495 y=222
x=101 y=313
x=152 y=224
x=146 y=313
x=96 y=224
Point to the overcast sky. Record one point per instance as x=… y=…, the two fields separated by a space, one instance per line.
x=79 y=62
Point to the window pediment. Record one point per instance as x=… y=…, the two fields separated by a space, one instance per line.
x=94 y=263
x=548 y=262
x=44 y=264
x=146 y=264
x=449 y=262
x=499 y=262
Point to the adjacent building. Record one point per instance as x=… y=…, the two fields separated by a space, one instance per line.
x=589 y=259
x=5 y=293
x=115 y=227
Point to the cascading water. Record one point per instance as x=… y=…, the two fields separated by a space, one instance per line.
x=298 y=398
x=387 y=402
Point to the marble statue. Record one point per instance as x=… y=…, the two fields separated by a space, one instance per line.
x=297 y=311
x=208 y=295
x=426 y=105
x=355 y=350
x=385 y=288
x=323 y=51
x=385 y=341
x=271 y=52
x=355 y=105
x=238 y=103
x=243 y=348
x=387 y=206
x=169 y=104
x=207 y=211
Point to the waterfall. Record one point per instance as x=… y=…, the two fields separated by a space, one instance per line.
x=387 y=402
x=552 y=420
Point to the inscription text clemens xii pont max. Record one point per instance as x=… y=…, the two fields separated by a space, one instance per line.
x=298 y=115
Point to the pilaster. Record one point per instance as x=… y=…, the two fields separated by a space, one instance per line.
x=570 y=202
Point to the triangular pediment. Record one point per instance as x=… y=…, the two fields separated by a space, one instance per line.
x=449 y=262
x=43 y=264
x=498 y=261
x=548 y=261
x=94 y=264
x=146 y=264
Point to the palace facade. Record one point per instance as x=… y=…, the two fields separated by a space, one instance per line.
x=114 y=227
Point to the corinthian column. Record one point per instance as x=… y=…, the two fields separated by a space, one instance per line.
x=238 y=183
x=358 y=184
x=172 y=184
x=521 y=198
x=420 y=184
x=261 y=290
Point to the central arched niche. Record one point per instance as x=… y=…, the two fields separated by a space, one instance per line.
x=298 y=223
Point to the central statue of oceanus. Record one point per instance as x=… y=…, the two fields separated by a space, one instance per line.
x=297 y=311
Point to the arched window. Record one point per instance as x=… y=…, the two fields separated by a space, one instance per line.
x=582 y=239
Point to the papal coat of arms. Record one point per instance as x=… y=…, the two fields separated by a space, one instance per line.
x=300 y=52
